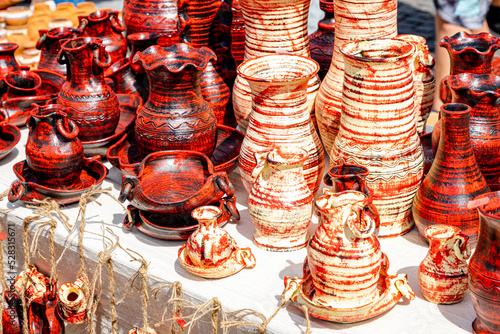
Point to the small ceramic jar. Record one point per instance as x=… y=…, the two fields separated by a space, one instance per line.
x=72 y=302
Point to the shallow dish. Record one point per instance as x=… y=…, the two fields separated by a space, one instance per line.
x=9 y=137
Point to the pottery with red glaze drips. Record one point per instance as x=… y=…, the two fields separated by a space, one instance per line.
x=150 y=16
x=280 y=116
x=96 y=107
x=353 y=20
x=21 y=84
x=175 y=116
x=8 y=62
x=443 y=274
x=54 y=154
x=272 y=26
x=107 y=26
x=322 y=40
x=453 y=180
x=385 y=141
x=482 y=94
x=280 y=202
x=50 y=44
x=72 y=302
x=484 y=267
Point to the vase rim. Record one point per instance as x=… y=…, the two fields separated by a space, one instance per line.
x=363 y=171
x=287 y=156
x=47 y=111
x=455 y=110
x=441 y=231
x=485 y=208
x=242 y=68
x=59 y=32
x=449 y=42
x=5 y=47
x=98 y=16
x=30 y=75
x=82 y=43
x=324 y=202
x=207 y=212
x=412 y=38
x=488 y=84
x=159 y=155
x=406 y=49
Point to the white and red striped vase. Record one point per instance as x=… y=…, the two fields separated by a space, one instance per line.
x=272 y=26
x=353 y=20
x=280 y=116
x=378 y=129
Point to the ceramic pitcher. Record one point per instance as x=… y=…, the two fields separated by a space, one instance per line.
x=50 y=44
x=443 y=273
x=280 y=202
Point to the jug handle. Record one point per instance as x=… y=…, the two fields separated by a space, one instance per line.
x=261 y=160
x=98 y=51
x=17 y=191
x=128 y=185
x=115 y=22
x=83 y=24
x=61 y=57
x=68 y=134
x=5 y=116
x=426 y=59
x=460 y=241
x=227 y=205
x=41 y=40
x=224 y=184
x=404 y=288
x=363 y=215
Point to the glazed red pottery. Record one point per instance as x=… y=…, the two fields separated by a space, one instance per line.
x=124 y=79
x=484 y=267
x=481 y=93
x=107 y=26
x=140 y=41
x=150 y=16
x=21 y=84
x=12 y=315
x=96 y=109
x=53 y=152
x=50 y=44
x=453 y=180
x=322 y=40
x=175 y=116
x=8 y=62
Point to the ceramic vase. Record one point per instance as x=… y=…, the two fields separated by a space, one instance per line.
x=175 y=116
x=453 y=180
x=384 y=140
x=481 y=93
x=140 y=41
x=353 y=20
x=21 y=84
x=8 y=62
x=344 y=256
x=443 y=272
x=50 y=44
x=196 y=19
x=124 y=79
x=96 y=106
x=423 y=79
x=280 y=202
x=54 y=154
x=280 y=117
x=72 y=302
x=484 y=267
x=276 y=26
x=150 y=16
x=209 y=245
x=322 y=40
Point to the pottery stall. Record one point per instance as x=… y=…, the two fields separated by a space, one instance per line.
x=131 y=196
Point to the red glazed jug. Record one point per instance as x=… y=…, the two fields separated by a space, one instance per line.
x=7 y=61
x=50 y=45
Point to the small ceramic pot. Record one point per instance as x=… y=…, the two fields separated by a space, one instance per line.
x=17 y=15
x=50 y=45
x=443 y=273
x=72 y=302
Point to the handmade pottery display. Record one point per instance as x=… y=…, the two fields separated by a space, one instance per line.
x=358 y=19
x=96 y=106
x=346 y=272
x=481 y=93
x=442 y=274
x=280 y=202
x=21 y=84
x=210 y=251
x=107 y=26
x=50 y=45
x=150 y=16
x=453 y=180
x=423 y=79
x=322 y=40
x=72 y=302
x=280 y=116
x=124 y=79
x=273 y=26
x=384 y=141
x=9 y=135
x=175 y=116
x=484 y=267
x=125 y=156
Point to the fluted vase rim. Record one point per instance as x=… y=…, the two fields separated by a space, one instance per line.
x=458 y=82
x=449 y=41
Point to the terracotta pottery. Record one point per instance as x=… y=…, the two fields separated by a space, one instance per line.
x=383 y=140
x=36 y=284
x=140 y=41
x=344 y=256
x=322 y=40
x=196 y=17
x=453 y=180
x=280 y=117
x=484 y=267
x=72 y=302
x=272 y=26
x=175 y=116
x=50 y=45
x=107 y=26
x=442 y=274
x=124 y=79
x=12 y=315
x=150 y=16
x=482 y=94
x=353 y=19
x=8 y=62
x=53 y=152
x=423 y=79
x=21 y=84
x=280 y=202
x=97 y=110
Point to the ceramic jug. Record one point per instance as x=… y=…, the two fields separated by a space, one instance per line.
x=443 y=273
x=96 y=106
x=72 y=302
x=50 y=44
x=8 y=62
x=322 y=40
x=175 y=116
x=344 y=256
x=280 y=202
x=54 y=154
x=21 y=84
